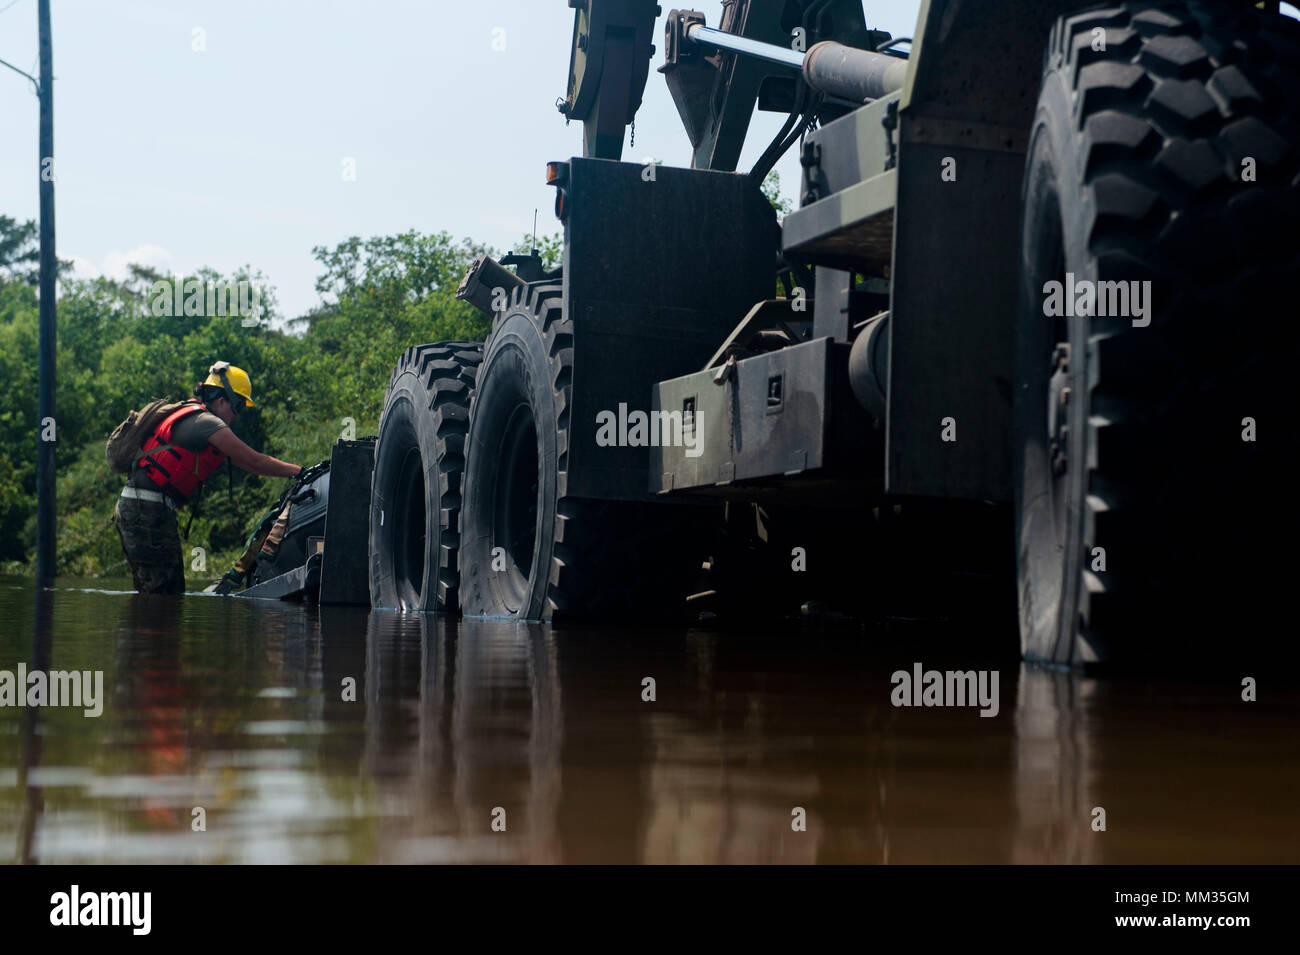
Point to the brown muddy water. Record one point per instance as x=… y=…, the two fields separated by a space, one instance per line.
x=237 y=707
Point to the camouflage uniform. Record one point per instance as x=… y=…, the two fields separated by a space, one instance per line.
x=151 y=541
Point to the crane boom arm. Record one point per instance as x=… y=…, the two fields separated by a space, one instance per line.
x=608 y=66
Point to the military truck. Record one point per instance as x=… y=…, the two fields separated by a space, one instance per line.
x=1024 y=338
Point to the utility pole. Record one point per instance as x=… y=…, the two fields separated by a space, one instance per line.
x=46 y=427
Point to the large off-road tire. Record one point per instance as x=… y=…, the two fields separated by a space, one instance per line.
x=415 y=493
x=1148 y=455
x=529 y=549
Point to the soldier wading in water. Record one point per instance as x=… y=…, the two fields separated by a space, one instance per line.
x=186 y=448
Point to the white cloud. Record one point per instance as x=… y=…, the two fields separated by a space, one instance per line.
x=114 y=264
x=84 y=268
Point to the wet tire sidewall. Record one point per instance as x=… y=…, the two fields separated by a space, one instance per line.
x=515 y=373
x=401 y=432
x=1048 y=565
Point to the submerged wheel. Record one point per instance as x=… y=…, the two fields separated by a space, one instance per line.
x=1143 y=517
x=529 y=549
x=415 y=493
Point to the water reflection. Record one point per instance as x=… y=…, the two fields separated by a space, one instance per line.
x=33 y=801
x=463 y=722
x=1054 y=769
x=333 y=734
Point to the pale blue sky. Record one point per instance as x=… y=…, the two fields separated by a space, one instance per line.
x=178 y=158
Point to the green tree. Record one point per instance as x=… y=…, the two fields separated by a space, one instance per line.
x=20 y=253
x=772 y=190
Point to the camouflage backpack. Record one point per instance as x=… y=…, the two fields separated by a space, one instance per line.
x=123 y=448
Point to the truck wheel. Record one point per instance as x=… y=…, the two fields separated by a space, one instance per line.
x=415 y=494
x=530 y=550
x=1171 y=156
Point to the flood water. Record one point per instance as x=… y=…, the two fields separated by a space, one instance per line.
x=238 y=707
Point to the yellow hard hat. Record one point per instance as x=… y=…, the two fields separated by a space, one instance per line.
x=233 y=381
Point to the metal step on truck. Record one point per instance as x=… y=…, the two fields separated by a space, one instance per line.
x=1021 y=348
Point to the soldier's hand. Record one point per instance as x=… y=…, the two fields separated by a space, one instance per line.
x=229 y=581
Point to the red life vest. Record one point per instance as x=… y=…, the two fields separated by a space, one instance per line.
x=177 y=471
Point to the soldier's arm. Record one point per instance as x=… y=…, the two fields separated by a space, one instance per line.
x=245 y=458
